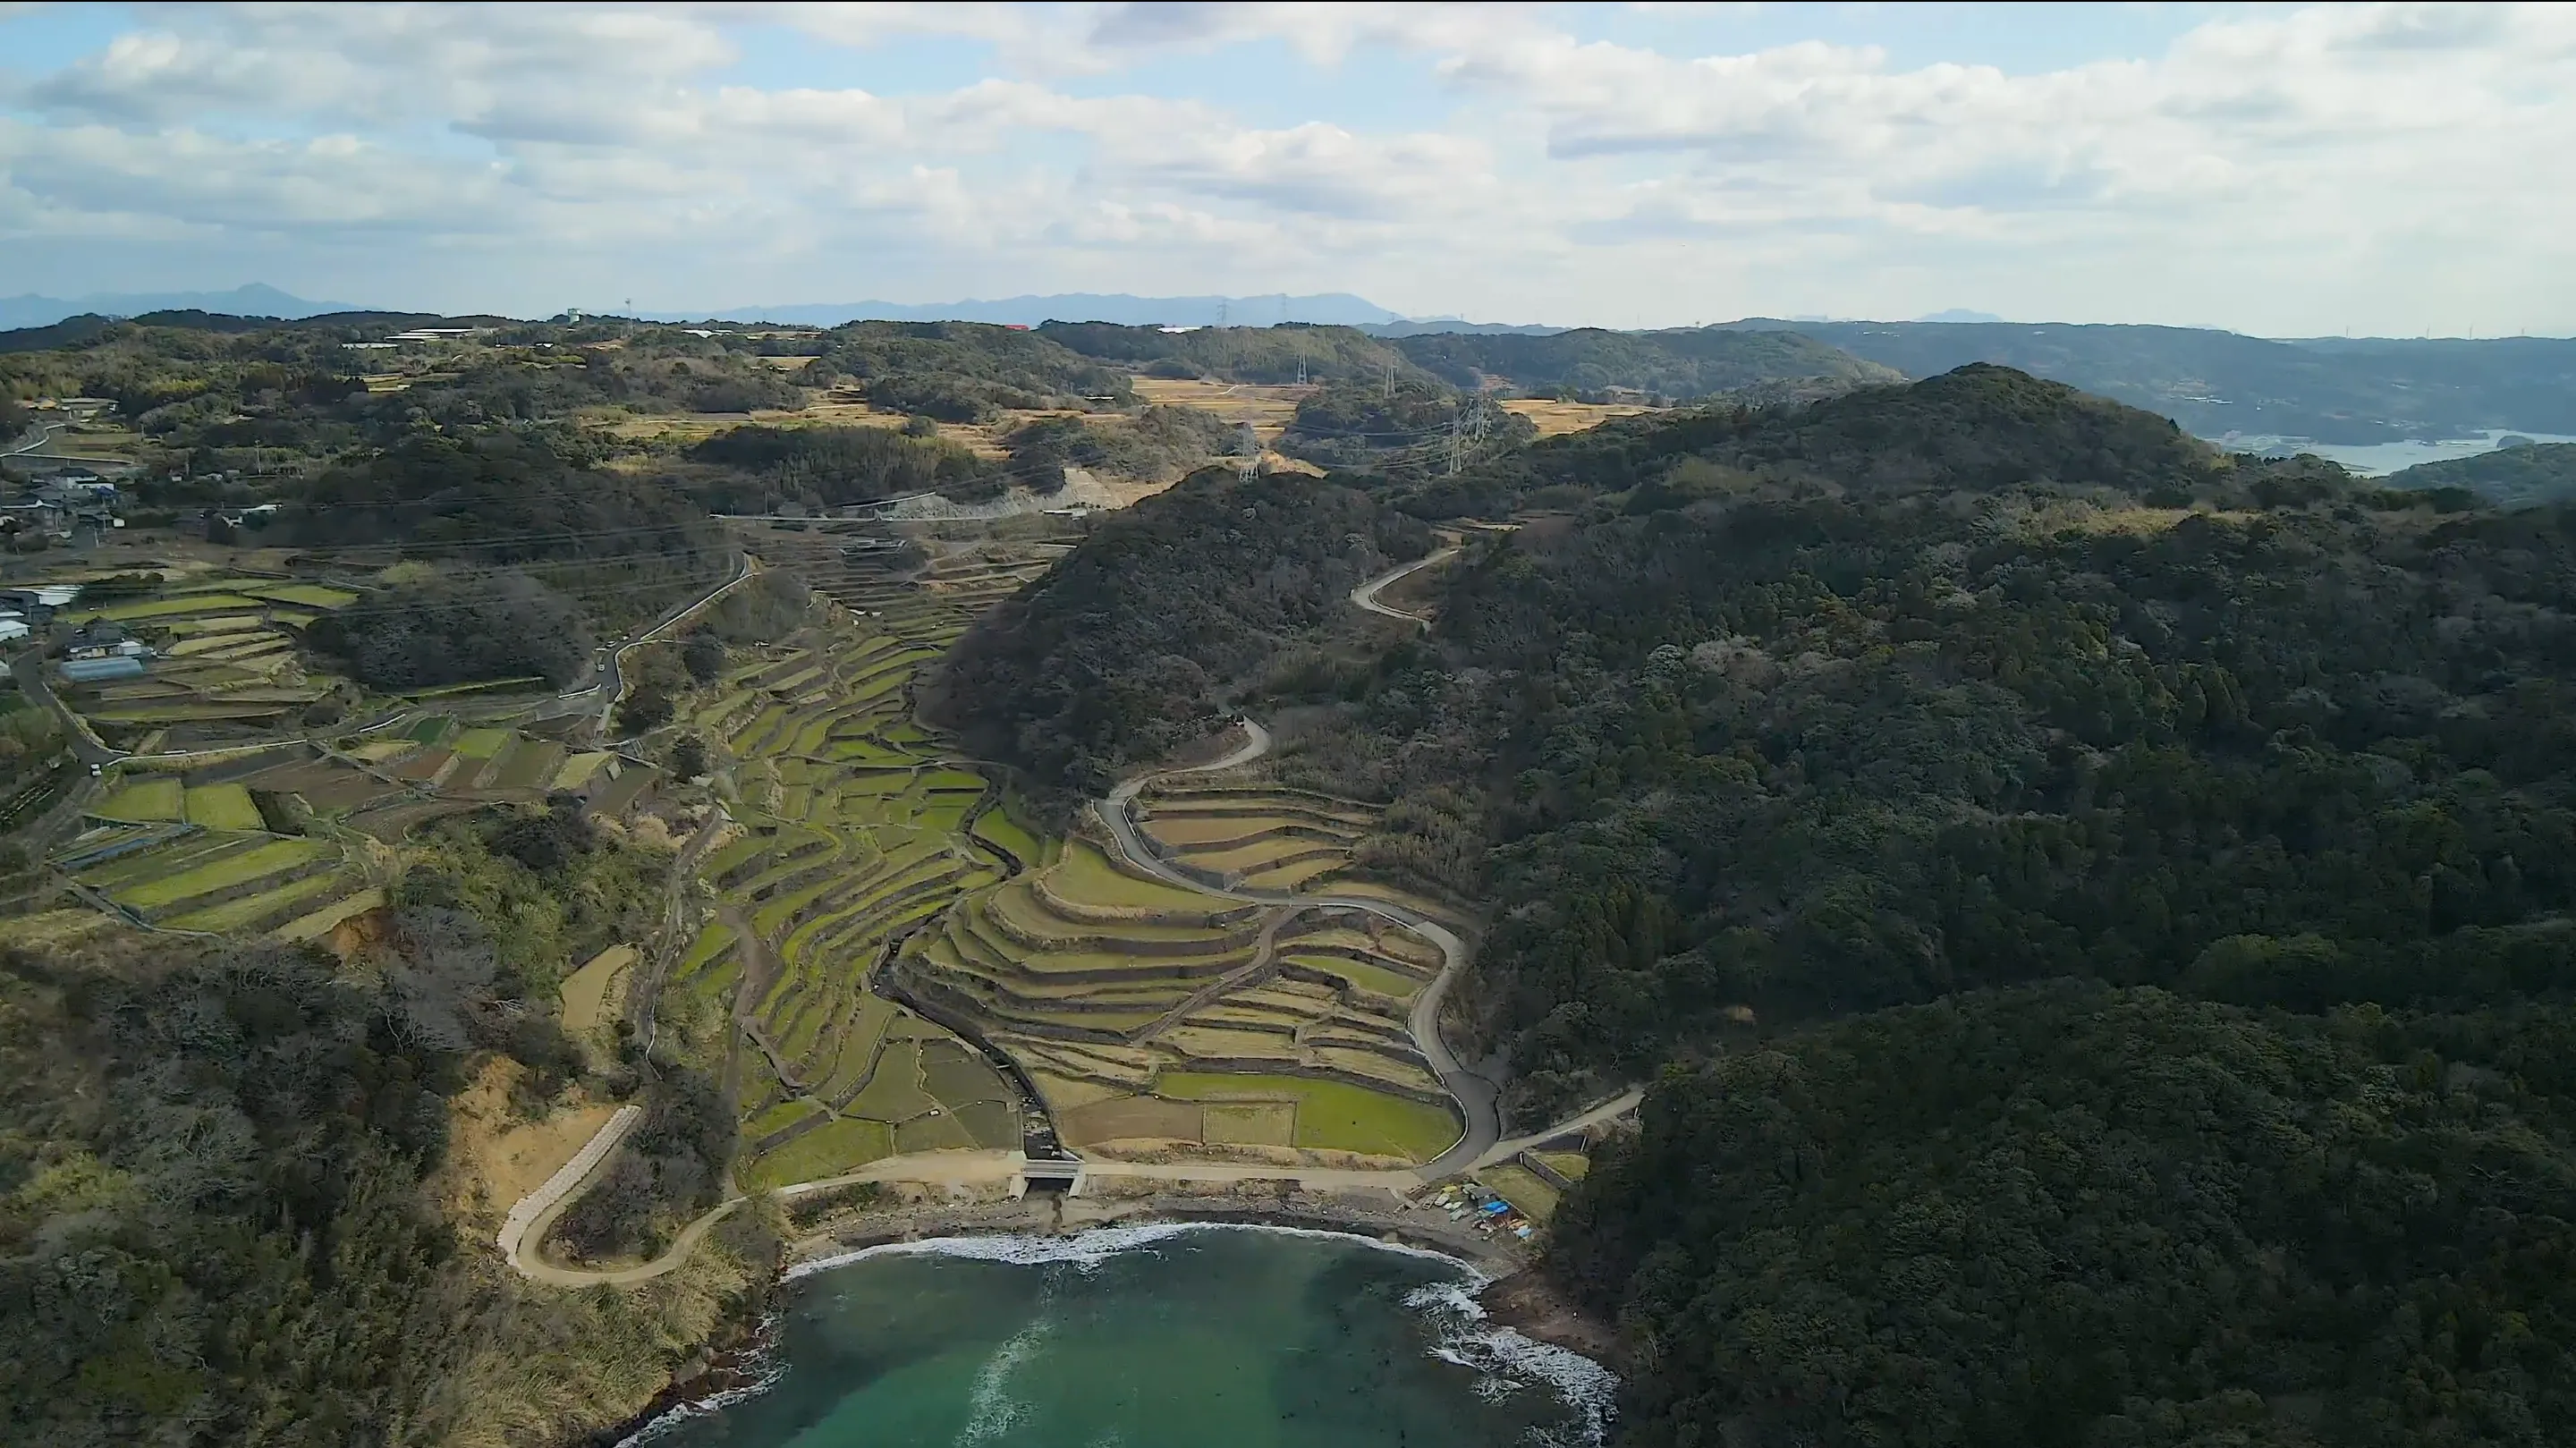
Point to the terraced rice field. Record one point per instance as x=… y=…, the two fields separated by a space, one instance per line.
x=228 y=666
x=1125 y=997
x=223 y=807
x=198 y=851
x=1261 y=838
x=1141 y=1010
x=858 y=829
x=146 y=799
x=182 y=876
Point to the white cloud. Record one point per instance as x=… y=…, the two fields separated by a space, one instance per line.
x=2281 y=167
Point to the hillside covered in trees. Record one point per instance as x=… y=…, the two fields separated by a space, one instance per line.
x=1082 y=673
x=1681 y=365
x=1869 y=773
x=2516 y=474
x=2332 y=389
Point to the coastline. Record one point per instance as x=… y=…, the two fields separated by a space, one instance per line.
x=1512 y=1294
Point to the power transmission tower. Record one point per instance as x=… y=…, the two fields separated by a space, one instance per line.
x=1466 y=430
x=1247 y=449
x=1220 y=316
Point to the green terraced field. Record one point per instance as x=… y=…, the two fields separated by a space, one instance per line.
x=997 y=827
x=149 y=799
x=223 y=807
x=712 y=941
x=1085 y=874
x=251 y=909
x=270 y=858
x=1374 y=978
x=166 y=607
x=480 y=743
x=577 y=769
x=1571 y=1165
x=321 y=922
x=311 y=595
x=1331 y=1115
x=826 y=1151
x=1520 y=1187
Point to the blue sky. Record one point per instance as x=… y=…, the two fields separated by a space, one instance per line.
x=2277 y=169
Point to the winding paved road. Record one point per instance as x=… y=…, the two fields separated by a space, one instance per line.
x=29 y=670
x=1366 y=594
x=38 y=436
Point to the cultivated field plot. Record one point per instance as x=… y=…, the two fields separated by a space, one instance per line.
x=857 y=831
x=1149 y=1012
x=226 y=663
x=393 y=779
x=1555 y=419
x=182 y=876
x=926 y=608
x=1259 y=838
x=1268 y=409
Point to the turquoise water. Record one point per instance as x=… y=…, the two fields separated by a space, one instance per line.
x=1150 y=1337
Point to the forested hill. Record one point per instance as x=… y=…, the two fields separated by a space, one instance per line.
x=1785 y=725
x=2332 y=389
x=1136 y=643
x=2528 y=473
x=1591 y=364
x=1979 y=428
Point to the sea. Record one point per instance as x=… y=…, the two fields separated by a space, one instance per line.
x=2381 y=458
x=1170 y=1336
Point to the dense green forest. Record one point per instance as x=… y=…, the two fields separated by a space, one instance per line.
x=1265 y=355
x=509 y=553
x=2513 y=475
x=1593 y=365
x=966 y=371
x=1786 y=718
x=754 y=469
x=2077 y=1217
x=1083 y=672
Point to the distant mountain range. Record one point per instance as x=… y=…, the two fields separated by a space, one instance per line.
x=254 y=300
x=1324 y=309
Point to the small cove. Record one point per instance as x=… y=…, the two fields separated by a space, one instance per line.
x=1169 y=1336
